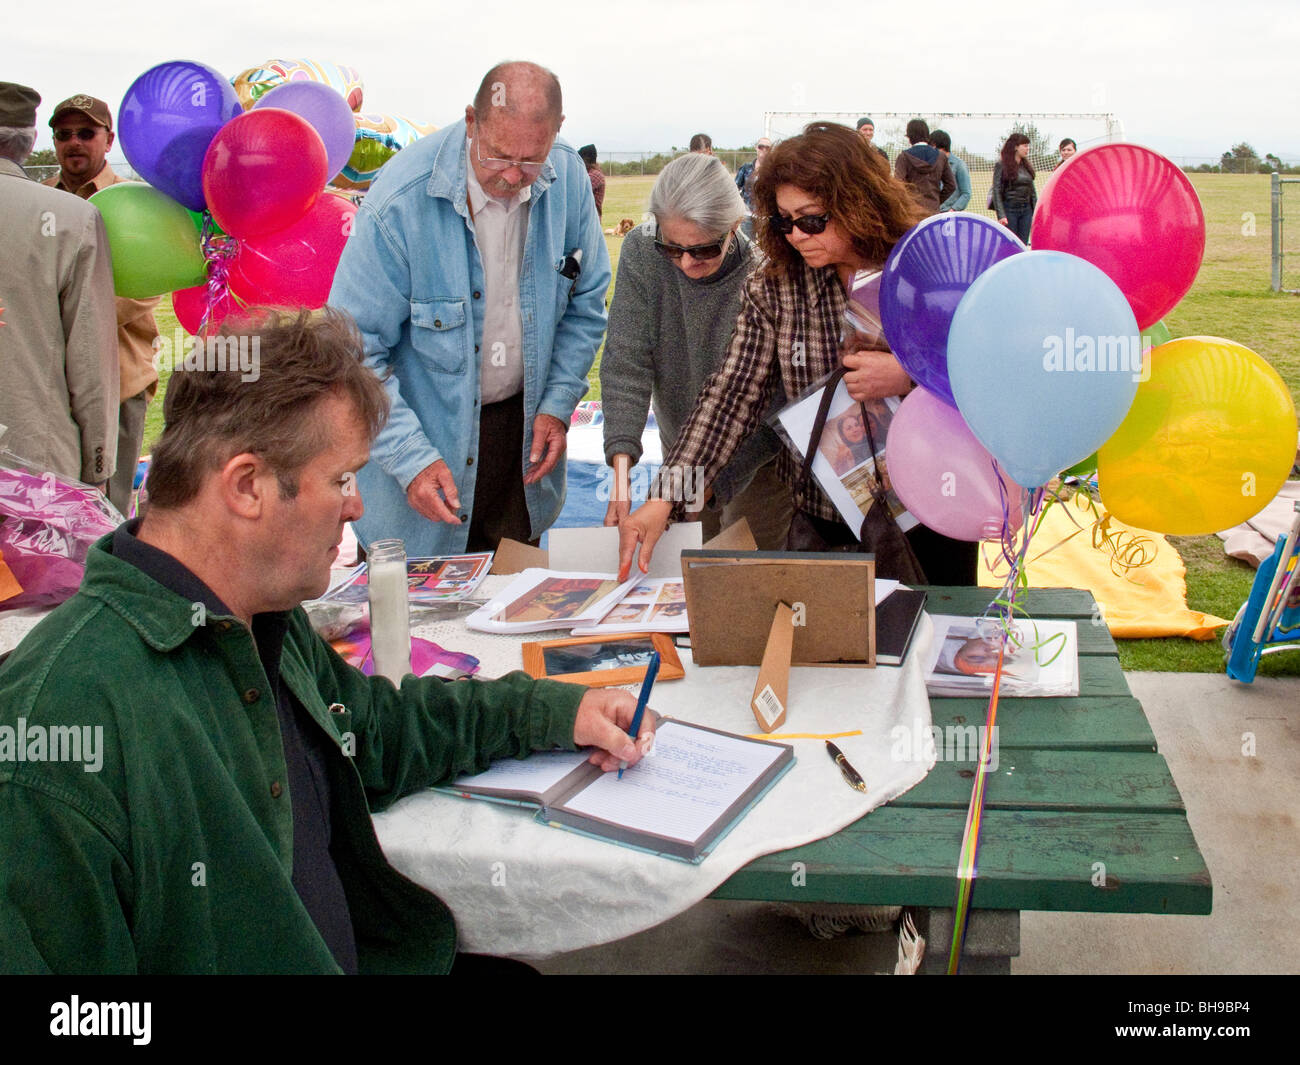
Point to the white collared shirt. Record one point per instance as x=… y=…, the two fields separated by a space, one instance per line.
x=500 y=229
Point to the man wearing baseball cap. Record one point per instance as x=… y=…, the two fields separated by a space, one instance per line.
x=83 y=134
x=58 y=355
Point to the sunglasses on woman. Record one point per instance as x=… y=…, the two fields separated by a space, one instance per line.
x=812 y=224
x=82 y=134
x=700 y=251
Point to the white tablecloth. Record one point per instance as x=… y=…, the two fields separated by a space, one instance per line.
x=521 y=888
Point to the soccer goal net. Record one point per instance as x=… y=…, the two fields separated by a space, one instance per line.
x=976 y=138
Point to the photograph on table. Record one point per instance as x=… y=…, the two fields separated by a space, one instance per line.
x=655 y=605
x=429 y=580
x=602 y=661
x=557 y=599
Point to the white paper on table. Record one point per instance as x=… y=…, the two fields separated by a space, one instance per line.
x=536 y=773
x=575 y=549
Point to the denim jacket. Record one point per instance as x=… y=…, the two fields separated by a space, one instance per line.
x=412 y=278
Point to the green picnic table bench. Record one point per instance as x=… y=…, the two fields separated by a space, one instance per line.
x=1081 y=813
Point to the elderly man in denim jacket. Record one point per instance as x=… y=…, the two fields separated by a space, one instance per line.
x=477 y=272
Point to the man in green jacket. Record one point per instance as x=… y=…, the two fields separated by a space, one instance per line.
x=186 y=768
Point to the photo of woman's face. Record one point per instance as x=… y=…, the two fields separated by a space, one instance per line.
x=851 y=428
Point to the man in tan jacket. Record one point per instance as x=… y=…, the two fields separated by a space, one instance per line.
x=58 y=351
x=83 y=134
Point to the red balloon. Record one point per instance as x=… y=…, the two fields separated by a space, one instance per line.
x=263 y=171
x=295 y=266
x=190 y=303
x=1132 y=213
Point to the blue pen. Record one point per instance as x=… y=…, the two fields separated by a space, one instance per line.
x=651 y=671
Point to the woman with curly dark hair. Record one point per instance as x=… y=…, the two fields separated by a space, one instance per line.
x=824 y=211
x=1014 y=195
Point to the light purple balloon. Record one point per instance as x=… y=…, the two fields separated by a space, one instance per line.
x=944 y=475
x=325 y=111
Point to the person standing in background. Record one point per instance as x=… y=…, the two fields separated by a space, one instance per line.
x=83 y=134
x=959 y=199
x=1014 y=195
x=924 y=169
x=588 y=154
x=58 y=353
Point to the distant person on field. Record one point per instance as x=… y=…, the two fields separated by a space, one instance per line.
x=749 y=171
x=959 y=199
x=588 y=154
x=1067 y=148
x=1014 y=195
x=702 y=144
x=867 y=131
x=925 y=169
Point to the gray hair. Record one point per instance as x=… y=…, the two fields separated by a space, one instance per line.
x=698 y=189
x=16 y=142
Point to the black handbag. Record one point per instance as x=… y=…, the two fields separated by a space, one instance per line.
x=879 y=534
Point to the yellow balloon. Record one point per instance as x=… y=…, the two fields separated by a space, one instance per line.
x=1209 y=440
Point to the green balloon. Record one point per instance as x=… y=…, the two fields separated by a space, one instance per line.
x=152 y=238
x=1159 y=334
x=1086 y=468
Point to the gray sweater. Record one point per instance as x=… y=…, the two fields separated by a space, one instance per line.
x=667 y=334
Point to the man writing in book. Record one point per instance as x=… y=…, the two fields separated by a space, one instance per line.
x=199 y=797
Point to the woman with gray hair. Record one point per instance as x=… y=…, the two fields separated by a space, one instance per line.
x=680 y=278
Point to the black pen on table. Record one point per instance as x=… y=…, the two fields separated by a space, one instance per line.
x=851 y=775
x=651 y=671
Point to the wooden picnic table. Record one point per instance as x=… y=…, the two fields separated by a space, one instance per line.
x=1081 y=814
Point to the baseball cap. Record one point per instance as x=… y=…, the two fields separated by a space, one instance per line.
x=96 y=110
x=18 y=105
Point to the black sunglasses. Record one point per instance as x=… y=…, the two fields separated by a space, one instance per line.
x=811 y=224
x=700 y=251
x=82 y=134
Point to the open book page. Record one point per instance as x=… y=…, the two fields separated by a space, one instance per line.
x=682 y=787
x=653 y=605
x=534 y=775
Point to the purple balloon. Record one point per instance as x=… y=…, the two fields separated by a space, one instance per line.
x=924 y=279
x=325 y=111
x=168 y=118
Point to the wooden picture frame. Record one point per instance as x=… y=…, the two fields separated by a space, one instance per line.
x=545 y=658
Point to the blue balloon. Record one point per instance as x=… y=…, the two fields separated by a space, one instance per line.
x=168 y=118
x=1044 y=356
x=924 y=279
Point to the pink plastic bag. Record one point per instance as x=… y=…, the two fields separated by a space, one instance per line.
x=47 y=524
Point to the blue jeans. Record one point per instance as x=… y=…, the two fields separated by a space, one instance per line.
x=1019 y=221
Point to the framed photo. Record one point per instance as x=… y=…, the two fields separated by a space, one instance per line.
x=602 y=661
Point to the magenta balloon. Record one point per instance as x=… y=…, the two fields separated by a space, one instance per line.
x=325 y=111
x=263 y=171
x=191 y=303
x=1134 y=214
x=944 y=475
x=294 y=267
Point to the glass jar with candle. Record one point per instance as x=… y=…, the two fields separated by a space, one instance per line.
x=390 y=617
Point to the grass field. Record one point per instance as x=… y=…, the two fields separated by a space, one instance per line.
x=1231 y=298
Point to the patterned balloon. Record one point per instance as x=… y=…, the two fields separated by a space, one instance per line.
x=379 y=138
x=253 y=83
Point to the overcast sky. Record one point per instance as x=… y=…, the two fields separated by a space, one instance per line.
x=1188 y=78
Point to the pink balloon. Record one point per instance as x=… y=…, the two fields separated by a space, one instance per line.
x=1133 y=214
x=944 y=475
x=295 y=266
x=190 y=303
x=263 y=171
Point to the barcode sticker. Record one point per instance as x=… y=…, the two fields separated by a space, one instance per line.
x=768 y=706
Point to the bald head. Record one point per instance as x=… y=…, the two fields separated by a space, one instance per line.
x=520 y=90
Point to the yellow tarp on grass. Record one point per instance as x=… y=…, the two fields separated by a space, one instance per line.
x=1142 y=601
